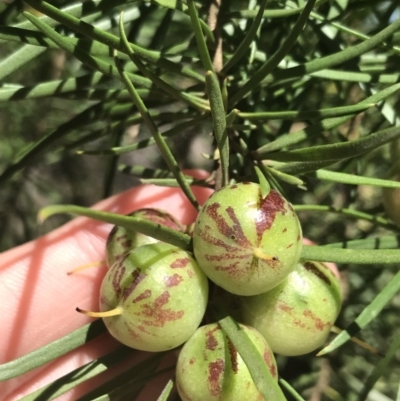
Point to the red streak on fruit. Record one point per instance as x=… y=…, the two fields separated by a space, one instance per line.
x=300 y=323
x=127 y=243
x=319 y=324
x=112 y=233
x=268 y=360
x=226 y=256
x=179 y=263
x=137 y=278
x=284 y=308
x=210 y=239
x=133 y=333
x=234 y=356
x=314 y=270
x=234 y=233
x=268 y=208
x=159 y=315
x=118 y=273
x=211 y=341
x=172 y=281
x=144 y=295
x=215 y=369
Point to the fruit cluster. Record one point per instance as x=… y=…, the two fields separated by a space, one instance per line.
x=154 y=295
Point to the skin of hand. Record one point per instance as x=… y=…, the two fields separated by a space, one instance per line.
x=38 y=298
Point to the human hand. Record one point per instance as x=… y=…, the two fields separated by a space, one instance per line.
x=38 y=299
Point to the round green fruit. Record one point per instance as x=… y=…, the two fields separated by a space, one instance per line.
x=244 y=242
x=122 y=240
x=296 y=316
x=210 y=368
x=155 y=298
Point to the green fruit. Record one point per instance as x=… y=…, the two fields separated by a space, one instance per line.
x=295 y=317
x=121 y=240
x=155 y=298
x=245 y=243
x=209 y=368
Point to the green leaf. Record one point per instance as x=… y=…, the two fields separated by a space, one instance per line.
x=166 y=391
x=324 y=125
x=354 y=179
x=381 y=242
x=144 y=226
x=336 y=255
x=258 y=369
x=290 y=390
x=79 y=375
x=162 y=146
x=87 y=116
x=129 y=381
x=219 y=123
x=264 y=184
x=51 y=351
x=87 y=59
x=52 y=88
x=297 y=168
x=306 y=114
x=198 y=33
x=243 y=47
x=380 y=368
x=348 y=212
x=111 y=40
x=340 y=57
x=338 y=151
x=369 y=313
x=284 y=177
x=18 y=59
x=273 y=62
x=172 y=182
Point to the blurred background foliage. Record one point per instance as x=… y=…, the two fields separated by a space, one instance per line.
x=56 y=173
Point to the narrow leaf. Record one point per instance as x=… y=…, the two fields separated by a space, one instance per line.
x=51 y=351
x=276 y=58
x=380 y=368
x=219 y=123
x=198 y=33
x=264 y=184
x=338 y=151
x=356 y=214
x=18 y=59
x=366 y=257
x=83 y=56
x=166 y=391
x=290 y=390
x=134 y=223
x=324 y=125
x=382 y=242
x=162 y=146
x=354 y=179
x=307 y=114
x=79 y=375
x=243 y=47
x=369 y=313
x=258 y=369
x=111 y=40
